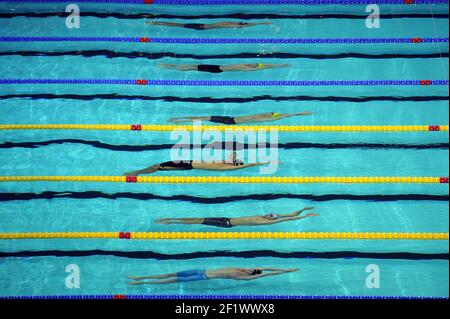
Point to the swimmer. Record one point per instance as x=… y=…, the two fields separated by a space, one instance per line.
x=201 y=275
x=213 y=68
x=231 y=164
x=266 y=117
x=211 y=26
x=268 y=219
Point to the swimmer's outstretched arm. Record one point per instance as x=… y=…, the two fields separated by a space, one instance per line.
x=276 y=269
x=271 y=66
x=296 y=213
x=252 y=24
x=287 y=219
x=233 y=25
x=244 y=67
x=305 y=113
x=273 y=273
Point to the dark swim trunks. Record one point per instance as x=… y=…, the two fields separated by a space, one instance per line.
x=192 y=275
x=209 y=68
x=218 y=222
x=177 y=165
x=223 y=119
x=195 y=26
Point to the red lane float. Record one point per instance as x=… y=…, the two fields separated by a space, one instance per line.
x=131 y=179
x=434 y=128
x=141 y=82
x=136 y=127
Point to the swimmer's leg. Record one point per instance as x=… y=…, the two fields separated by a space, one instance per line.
x=148 y=170
x=181 y=67
x=166 y=24
x=161 y=282
x=182 y=221
x=165 y=276
x=189 y=119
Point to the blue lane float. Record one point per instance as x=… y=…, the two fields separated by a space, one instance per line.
x=221 y=297
x=144 y=82
x=147 y=40
x=245 y=2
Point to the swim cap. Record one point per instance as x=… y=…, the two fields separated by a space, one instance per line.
x=276 y=115
x=261 y=65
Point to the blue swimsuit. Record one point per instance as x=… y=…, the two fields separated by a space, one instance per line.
x=192 y=275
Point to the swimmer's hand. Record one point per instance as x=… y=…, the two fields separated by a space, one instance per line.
x=292 y=270
x=312 y=215
x=305 y=113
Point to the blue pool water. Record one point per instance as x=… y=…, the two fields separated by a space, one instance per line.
x=37 y=267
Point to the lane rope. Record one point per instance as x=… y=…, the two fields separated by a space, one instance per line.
x=144 y=82
x=228 y=179
x=227 y=235
x=245 y=2
x=227 y=128
x=221 y=297
x=410 y=40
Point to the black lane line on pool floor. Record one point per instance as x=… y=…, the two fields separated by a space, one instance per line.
x=160 y=55
x=215 y=254
x=4 y=197
x=240 y=16
x=224 y=145
x=116 y=96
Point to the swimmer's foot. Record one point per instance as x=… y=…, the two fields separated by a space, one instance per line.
x=133 y=278
x=135 y=283
x=133 y=174
x=162 y=222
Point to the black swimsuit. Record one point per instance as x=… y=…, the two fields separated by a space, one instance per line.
x=223 y=119
x=183 y=166
x=209 y=68
x=218 y=222
x=195 y=26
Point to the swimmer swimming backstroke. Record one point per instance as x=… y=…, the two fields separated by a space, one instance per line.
x=231 y=164
x=267 y=219
x=266 y=117
x=211 y=26
x=201 y=275
x=213 y=68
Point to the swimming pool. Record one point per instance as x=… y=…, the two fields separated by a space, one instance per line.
x=95 y=83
